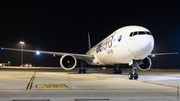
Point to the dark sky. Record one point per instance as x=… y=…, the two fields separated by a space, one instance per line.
x=62 y=26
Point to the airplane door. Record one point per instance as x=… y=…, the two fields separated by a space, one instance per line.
x=115 y=42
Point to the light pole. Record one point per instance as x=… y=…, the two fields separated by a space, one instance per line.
x=22 y=43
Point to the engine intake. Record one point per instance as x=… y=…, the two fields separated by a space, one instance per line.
x=68 y=62
x=144 y=64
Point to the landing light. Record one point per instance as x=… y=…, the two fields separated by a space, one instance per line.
x=37 y=52
x=153 y=55
x=2 y=48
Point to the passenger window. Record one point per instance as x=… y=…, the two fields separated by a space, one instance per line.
x=141 y=33
x=131 y=34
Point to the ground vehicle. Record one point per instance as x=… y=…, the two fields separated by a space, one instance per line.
x=27 y=65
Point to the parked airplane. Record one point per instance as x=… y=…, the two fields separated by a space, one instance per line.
x=2 y=65
x=128 y=45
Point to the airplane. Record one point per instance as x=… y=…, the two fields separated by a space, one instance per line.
x=127 y=45
x=2 y=65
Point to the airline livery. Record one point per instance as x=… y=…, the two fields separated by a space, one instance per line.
x=128 y=45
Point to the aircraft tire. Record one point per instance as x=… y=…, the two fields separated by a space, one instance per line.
x=79 y=71
x=130 y=75
x=114 y=71
x=119 y=71
x=135 y=76
x=83 y=70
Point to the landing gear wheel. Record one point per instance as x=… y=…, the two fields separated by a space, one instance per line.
x=115 y=71
x=79 y=71
x=82 y=71
x=120 y=71
x=130 y=76
x=135 y=76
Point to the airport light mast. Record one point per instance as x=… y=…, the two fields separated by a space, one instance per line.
x=22 y=43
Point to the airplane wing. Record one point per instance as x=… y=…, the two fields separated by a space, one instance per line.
x=78 y=56
x=153 y=54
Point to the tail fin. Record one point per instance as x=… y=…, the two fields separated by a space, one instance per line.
x=89 y=41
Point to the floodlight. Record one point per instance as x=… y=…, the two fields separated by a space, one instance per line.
x=21 y=42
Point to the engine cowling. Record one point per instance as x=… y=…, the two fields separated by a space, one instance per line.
x=68 y=62
x=144 y=64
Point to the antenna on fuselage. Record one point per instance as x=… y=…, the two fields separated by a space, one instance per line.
x=89 y=41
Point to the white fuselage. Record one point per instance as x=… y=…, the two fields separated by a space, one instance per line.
x=122 y=46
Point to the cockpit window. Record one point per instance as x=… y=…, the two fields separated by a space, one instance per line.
x=135 y=33
x=131 y=34
x=148 y=33
x=139 y=33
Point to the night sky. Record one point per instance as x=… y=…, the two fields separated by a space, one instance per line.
x=62 y=26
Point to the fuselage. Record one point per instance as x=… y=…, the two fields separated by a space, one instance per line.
x=122 y=46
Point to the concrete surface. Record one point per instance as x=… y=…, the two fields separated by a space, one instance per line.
x=92 y=86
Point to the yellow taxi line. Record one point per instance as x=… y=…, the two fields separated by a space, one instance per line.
x=31 y=81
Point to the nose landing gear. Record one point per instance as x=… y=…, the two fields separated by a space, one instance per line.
x=133 y=74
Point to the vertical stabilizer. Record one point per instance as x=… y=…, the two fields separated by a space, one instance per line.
x=89 y=41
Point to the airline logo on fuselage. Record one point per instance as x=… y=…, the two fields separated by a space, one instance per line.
x=120 y=37
x=105 y=44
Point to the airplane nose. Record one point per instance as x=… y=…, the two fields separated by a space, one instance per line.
x=147 y=43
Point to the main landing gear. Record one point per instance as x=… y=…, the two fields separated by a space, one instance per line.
x=133 y=74
x=83 y=69
x=116 y=70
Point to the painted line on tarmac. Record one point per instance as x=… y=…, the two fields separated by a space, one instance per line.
x=174 y=86
x=91 y=99
x=142 y=89
x=51 y=86
x=29 y=86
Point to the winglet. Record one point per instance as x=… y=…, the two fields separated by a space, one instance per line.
x=89 y=41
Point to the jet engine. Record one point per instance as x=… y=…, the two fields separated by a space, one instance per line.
x=68 y=62
x=144 y=64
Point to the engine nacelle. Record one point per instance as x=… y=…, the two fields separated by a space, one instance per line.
x=68 y=62
x=145 y=64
